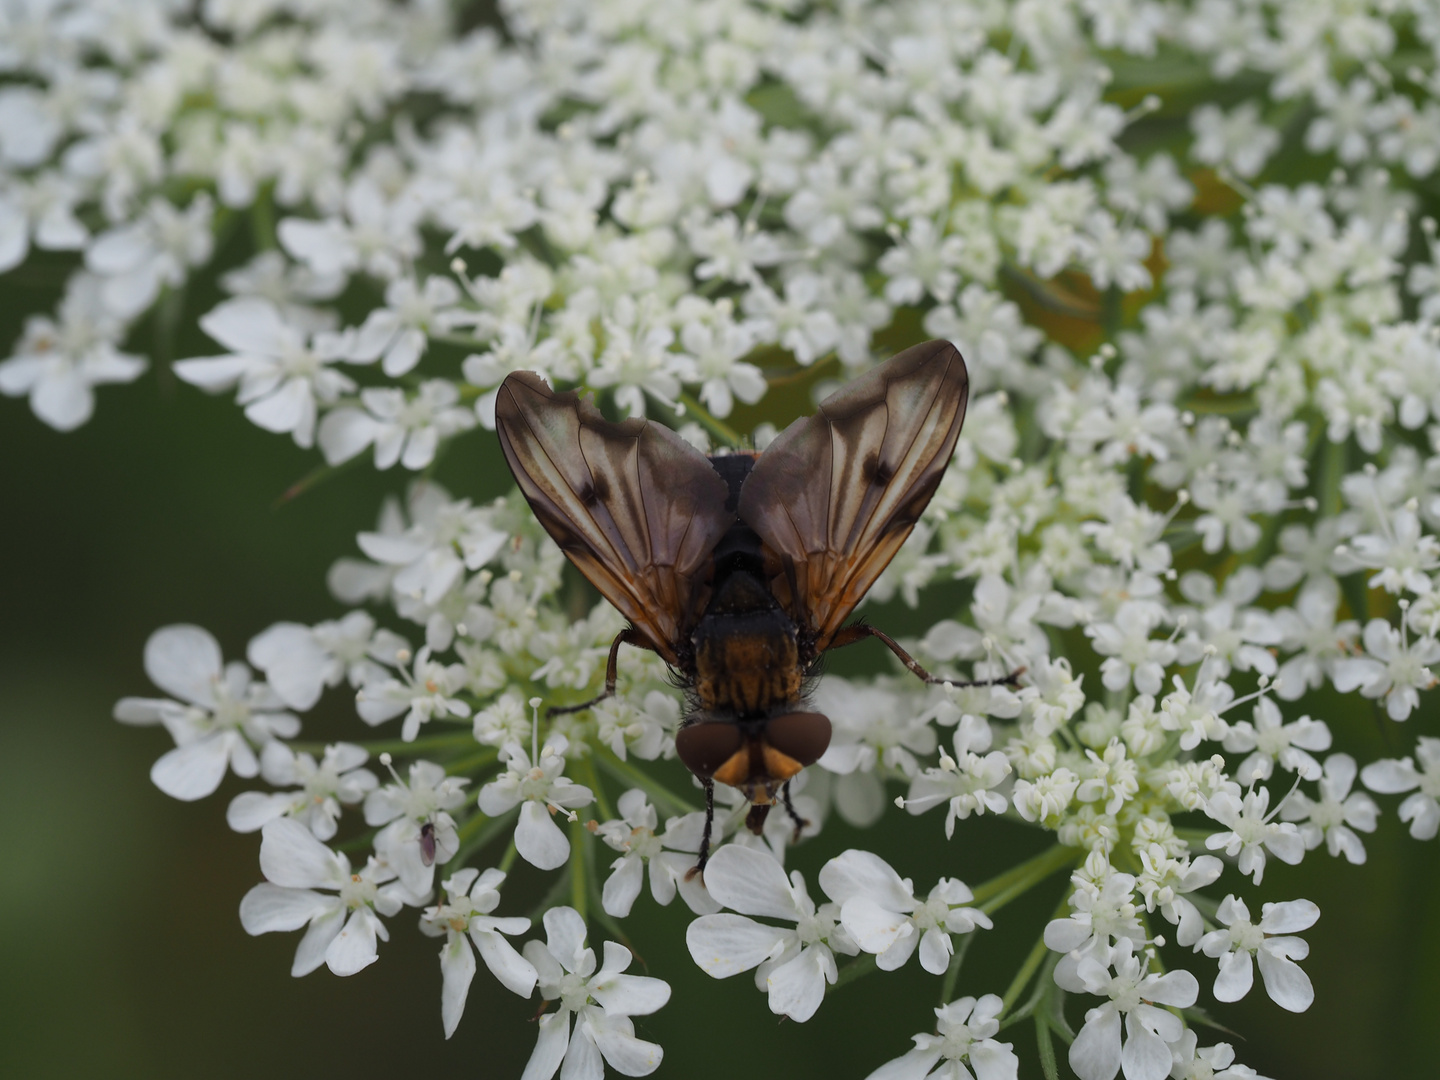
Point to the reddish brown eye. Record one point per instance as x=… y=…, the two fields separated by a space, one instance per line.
x=705 y=747
x=802 y=735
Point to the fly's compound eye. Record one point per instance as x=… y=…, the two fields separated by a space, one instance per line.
x=705 y=747
x=802 y=736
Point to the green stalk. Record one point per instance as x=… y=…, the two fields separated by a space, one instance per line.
x=626 y=773
x=479 y=760
x=478 y=831
x=710 y=423
x=579 y=898
x=861 y=965
x=994 y=894
x=1023 y=976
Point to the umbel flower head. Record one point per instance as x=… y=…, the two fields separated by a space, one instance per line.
x=1196 y=495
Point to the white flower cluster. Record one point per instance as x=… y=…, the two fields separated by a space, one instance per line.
x=1199 y=479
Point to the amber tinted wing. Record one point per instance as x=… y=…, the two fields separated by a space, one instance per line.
x=634 y=506
x=835 y=496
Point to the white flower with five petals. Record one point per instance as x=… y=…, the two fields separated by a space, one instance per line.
x=1287 y=985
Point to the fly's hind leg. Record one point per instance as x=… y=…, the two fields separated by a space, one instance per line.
x=628 y=636
x=699 y=868
x=851 y=634
x=800 y=822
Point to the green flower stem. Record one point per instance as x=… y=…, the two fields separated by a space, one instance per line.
x=400 y=746
x=488 y=756
x=1194 y=837
x=262 y=221
x=592 y=781
x=555 y=896
x=629 y=774
x=1023 y=976
x=477 y=832
x=579 y=897
x=716 y=427
x=861 y=965
x=508 y=859
x=1045 y=1049
x=992 y=895
x=952 y=970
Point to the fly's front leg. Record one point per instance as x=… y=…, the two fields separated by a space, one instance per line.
x=628 y=636
x=859 y=632
x=699 y=867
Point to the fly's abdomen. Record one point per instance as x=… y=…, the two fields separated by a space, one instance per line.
x=747 y=664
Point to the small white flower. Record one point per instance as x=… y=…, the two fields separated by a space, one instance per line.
x=1212 y=1063
x=1395 y=669
x=1252 y=832
x=1165 y=879
x=879 y=910
x=343 y=927
x=470 y=897
x=1270 y=740
x=404 y=428
x=601 y=1002
x=793 y=964
x=425 y=692
x=1337 y=813
x=1096 y=1053
x=137 y=259
x=963 y=1043
x=1103 y=914
x=283 y=373
x=1287 y=985
x=336 y=779
x=221 y=719
x=300 y=661
x=58 y=364
x=540 y=791
x=418 y=830
x=965 y=782
x=1422 y=809
x=670 y=856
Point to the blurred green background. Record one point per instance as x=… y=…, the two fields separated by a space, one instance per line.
x=122 y=955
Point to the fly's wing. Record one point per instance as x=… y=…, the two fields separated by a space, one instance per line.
x=835 y=496
x=633 y=505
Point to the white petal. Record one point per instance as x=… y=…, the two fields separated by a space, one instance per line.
x=310 y=953
x=935 y=951
x=294 y=664
x=1237 y=975
x=1095 y=1053
x=267 y=908
x=251 y=326
x=874 y=927
x=512 y=970
x=1288 y=986
x=623 y=886
x=184 y=661
x=213 y=373
x=284 y=410
x=630 y=995
x=291 y=856
x=863 y=873
x=549 y=1047
x=725 y=945
x=250 y=810
x=63 y=401
x=1178 y=988
x=750 y=882
x=626 y=1054
x=538 y=839
x=797 y=987
x=582 y=1059
x=565 y=936
x=194 y=770
x=344 y=433
x=1288 y=917
x=457 y=969
x=119 y=250
x=134 y=710
x=912 y=1066
x=1145 y=1057
x=353 y=949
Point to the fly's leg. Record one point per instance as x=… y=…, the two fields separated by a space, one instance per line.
x=859 y=632
x=800 y=822
x=628 y=636
x=699 y=867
